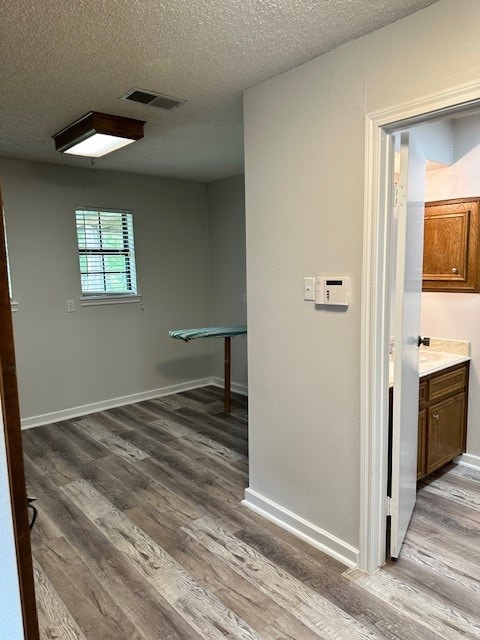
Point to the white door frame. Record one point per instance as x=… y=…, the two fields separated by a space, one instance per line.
x=376 y=304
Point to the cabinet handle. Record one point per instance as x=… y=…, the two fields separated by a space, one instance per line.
x=454 y=269
x=435 y=416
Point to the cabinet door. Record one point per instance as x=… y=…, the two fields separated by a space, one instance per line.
x=421 y=448
x=445 y=431
x=450 y=252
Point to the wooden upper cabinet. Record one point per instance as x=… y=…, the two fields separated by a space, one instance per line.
x=451 y=248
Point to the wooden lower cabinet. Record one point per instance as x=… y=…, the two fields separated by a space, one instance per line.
x=442 y=418
x=445 y=432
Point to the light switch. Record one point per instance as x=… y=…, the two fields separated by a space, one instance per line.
x=70 y=306
x=309 y=288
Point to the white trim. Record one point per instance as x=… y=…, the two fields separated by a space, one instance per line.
x=236 y=387
x=298 y=526
x=461 y=98
x=123 y=298
x=469 y=460
x=374 y=344
x=374 y=330
x=75 y=412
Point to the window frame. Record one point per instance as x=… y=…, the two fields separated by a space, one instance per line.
x=92 y=298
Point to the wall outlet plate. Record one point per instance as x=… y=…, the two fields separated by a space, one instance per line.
x=309 y=288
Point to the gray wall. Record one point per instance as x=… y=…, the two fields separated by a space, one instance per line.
x=305 y=158
x=98 y=353
x=226 y=215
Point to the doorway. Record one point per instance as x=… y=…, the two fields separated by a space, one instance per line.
x=376 y=311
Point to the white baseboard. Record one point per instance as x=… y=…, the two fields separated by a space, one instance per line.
x=83 y=410
x=469 y=460
x=319 y=538
x=234 y=386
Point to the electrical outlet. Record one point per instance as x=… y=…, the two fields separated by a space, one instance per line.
x=70 y=306
x=244 y=298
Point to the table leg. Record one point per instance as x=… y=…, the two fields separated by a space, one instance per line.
x=226 y=397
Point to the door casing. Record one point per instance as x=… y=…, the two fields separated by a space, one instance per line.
x=375 y=325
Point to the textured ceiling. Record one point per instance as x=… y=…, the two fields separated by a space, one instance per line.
x=62 y=58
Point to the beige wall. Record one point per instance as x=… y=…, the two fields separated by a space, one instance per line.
x=305 y=144
x=226 y=224
x=98 y=353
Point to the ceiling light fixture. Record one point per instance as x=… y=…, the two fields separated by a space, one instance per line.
x=96 y=134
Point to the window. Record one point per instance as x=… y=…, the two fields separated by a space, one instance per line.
x=106 y=252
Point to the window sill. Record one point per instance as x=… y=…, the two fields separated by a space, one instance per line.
x=94 y=301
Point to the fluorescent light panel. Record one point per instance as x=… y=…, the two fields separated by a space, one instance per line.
x=96 y=134
x=98 y=145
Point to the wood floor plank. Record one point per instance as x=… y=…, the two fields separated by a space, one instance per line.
x=127 y=486
x=197 y=449
x=55 y=621
x=171 y=580
x=214 y=499
x=114 y=443
x=460 y=490
x=441 y=536
x=114 y=423
x=140 y=414
x=60 y=465
x=454 y=590
x=230 y=434
x=464 y=471
x=170 y=403
x=321 y=573
x=141 y=536
x=149 y=613
x=191 y=465
x=189 y=401
x=424 y=548
x=302 y=602
x=226 y=428
x=444 y=619
x=43 y=530
x=203 y=395
x=449 y=514
x=216 y=394
x=226 y=431
x=72 y=430
x=203 y=443
x=257 y=609
x=95 y=612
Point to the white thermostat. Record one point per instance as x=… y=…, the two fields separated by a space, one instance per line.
x=332 y=290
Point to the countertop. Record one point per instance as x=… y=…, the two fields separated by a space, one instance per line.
x=441 y=354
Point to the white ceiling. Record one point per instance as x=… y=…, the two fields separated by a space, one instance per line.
x=60 y=59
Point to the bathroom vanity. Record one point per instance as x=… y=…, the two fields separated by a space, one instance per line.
x=443 y=402
x=442 y=418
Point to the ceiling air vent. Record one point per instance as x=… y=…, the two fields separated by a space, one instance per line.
x=153 y=99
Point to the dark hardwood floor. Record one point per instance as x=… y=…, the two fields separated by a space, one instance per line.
x=141 y=536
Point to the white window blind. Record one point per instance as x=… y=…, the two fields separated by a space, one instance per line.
x=106 y=252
